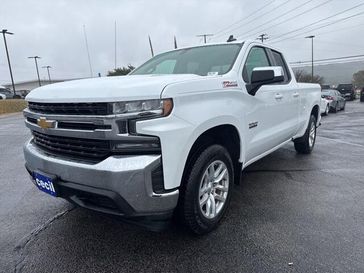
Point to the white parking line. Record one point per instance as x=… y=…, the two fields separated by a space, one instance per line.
x=344 y=142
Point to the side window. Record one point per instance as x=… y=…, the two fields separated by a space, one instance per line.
x=279 y=61
x=257 y=57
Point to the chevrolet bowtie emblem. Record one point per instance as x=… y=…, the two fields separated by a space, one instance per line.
x=46 y=124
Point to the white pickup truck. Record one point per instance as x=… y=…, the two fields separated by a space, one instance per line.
x=173 y=136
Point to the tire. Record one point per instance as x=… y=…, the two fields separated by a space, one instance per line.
x=343 y=108
x=305 y=144
x=334 y=109
x=197 y=188
x=327 y=110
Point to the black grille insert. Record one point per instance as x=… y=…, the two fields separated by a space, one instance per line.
x=76 y=147
x=97 y=108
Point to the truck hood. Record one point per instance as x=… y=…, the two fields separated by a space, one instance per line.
x=107 y=89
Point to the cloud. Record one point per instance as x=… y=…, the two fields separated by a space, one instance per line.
x=54 y=31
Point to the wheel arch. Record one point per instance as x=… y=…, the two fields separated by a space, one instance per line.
x=316 y=113
x=226 y=135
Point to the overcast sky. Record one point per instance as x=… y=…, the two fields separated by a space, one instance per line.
x=54 y=30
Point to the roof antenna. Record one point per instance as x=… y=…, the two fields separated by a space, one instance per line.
x=231 y=39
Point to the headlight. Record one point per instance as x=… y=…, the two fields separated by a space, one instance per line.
x=155 y=107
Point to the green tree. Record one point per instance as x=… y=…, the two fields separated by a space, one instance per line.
x=302 y=76
x=358 y=78
x=121 y=71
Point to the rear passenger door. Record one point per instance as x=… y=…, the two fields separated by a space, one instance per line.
x=291 y=96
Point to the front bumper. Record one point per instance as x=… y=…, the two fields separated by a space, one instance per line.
x=119 y=185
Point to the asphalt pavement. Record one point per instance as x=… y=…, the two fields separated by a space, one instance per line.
x=291 y=213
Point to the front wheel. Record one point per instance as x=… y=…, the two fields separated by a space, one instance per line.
x=327 y=110
x=305 y=144
x=206 y=190
x=343 y=108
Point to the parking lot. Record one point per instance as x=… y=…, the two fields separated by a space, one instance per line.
x=291 y=213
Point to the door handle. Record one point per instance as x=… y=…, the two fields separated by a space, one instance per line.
x=278 y=96
x=296 y=94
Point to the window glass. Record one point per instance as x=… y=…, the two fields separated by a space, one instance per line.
x=201 y=60
x=278 y=59
x=165 y=67
x=257 y=58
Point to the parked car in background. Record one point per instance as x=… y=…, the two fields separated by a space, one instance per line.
x=325 y=86
x=8 y=93
x=2 y=97
x=336 y=100
x=325 y=106
x=362 y=95
x=22 y=93
x=347 y=90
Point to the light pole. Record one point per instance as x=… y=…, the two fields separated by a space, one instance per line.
x=5 y=31
x=49 y=75
x=311 y=37
x=36 y=66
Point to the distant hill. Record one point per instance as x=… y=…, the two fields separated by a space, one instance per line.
x=335 y=73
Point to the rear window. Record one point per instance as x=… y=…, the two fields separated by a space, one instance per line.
x=344 y=87
x=329 y=93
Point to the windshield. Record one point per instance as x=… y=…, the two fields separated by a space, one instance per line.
x=203 y=61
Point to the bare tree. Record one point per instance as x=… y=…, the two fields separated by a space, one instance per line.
x=302 y=76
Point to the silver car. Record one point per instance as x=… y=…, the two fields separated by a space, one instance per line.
x=336 y=101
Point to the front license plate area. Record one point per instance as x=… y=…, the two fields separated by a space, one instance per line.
x=45 y=183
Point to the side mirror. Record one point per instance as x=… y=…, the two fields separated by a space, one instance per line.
x=264 y=75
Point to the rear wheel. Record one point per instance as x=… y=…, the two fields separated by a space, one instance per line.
x=205 y=194
x=305 y=144
x=334 y=108
x=343 y=108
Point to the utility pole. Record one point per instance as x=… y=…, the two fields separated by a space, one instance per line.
x=263 y=37
x=5 y=31
x=204 y=36
x=115 y=45
x=36 y=66
x=49 y=75
x=311 y=37
x=151 y=46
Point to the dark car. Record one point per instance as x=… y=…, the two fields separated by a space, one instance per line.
x=9 y=94
x=336 y=100
x=347 y=90
x=362 y=95
x=325 y=86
